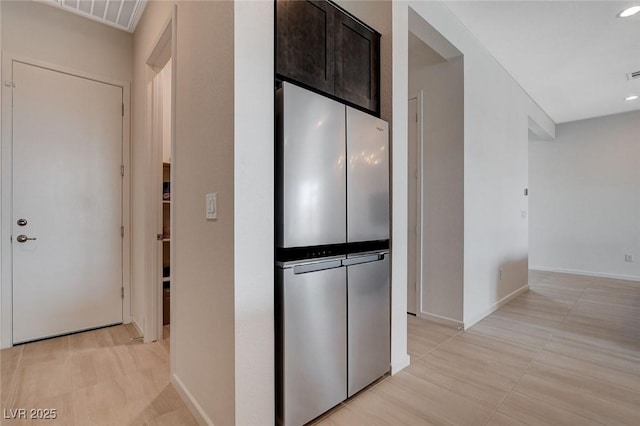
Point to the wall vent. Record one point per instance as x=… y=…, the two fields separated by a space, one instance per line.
x=633 y=75
x=121 y=14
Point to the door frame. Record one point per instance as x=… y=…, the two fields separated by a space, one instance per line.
x=6 y=188
x=419 y=96
x=164 y=49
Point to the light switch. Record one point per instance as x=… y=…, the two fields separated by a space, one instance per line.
x=211 y=212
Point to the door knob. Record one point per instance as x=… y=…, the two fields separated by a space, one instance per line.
x=23 y=238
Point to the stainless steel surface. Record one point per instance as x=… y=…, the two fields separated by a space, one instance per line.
x=294 y=263
x=313 y=169
x=314 y=359
x=24 y=239
x=318 y=266
x=368 y=319
x=22 y=222
x=367 y=177
x=363 y=259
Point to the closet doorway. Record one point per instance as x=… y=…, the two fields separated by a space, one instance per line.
x=161 y=194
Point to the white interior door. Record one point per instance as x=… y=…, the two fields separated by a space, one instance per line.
x=412 y=266
x=67 y=186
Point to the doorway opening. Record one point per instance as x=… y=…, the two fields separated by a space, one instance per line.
x=414 y=178
x=160 y=253
x=435 y=176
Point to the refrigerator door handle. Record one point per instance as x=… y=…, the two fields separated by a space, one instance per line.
x=363 y=259
x=319 y=266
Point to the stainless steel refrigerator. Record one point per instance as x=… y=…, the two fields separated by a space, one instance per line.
x=332 y=253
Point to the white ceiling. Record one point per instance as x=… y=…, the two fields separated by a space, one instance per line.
x=572 y=57
x=121 y=14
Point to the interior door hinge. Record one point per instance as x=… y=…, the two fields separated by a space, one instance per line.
x=123 y=110
x=122 y=170
x=122 y=231
x=122 y=292
x=416 y=118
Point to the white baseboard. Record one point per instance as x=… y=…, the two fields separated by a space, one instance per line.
x=137 y=327
x=449 y=322
x=191 y=403
x=495 y=306
x=586 y=273
x=400 y=365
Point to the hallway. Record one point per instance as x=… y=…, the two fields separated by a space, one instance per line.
x=99 y=377
x=565 y=353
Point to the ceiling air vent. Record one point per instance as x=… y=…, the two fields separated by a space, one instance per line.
x=633 y=75
x=122 y=14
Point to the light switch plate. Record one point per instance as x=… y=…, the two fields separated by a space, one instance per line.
x=211 y=212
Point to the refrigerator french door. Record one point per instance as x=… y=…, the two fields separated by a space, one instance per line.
x=312 y=326
x=367 y=151
x=332 y=259
x=368 y=331
x=333 y=332
x=310 y=172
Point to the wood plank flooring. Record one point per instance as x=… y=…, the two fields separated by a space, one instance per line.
x=565 y=353
x=99 y=377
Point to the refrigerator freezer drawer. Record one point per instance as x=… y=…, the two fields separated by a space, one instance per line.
x=313 y=350
x=368 y=318
x=311 y=171
x=367 y=177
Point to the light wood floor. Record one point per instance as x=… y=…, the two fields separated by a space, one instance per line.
x=565 y=353
x=98 y=377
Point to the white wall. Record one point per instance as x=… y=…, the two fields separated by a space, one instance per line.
x=585 y=198
x=254 y=213
x=32 y=30
x=202 y=350
x=41 y=32
x=442 y=181
x=496 y=112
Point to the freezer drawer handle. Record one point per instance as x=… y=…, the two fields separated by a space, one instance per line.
x=363 y=259
x=315 y=267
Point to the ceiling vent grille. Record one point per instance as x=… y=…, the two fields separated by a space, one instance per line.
x=633 y=75
x=122 y=14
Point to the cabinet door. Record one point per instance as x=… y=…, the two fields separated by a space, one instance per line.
x=357 y=67
x=305 y=43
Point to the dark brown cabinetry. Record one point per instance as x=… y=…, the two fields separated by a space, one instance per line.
x=304 y=43
x=323 y=48
x=357 y=59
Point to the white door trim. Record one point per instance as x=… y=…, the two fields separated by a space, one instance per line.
x=163 y=49
x=419 y=95
x=6 y=187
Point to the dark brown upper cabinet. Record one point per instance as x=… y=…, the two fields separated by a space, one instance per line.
x=304 y=43
x=322 y=47
x=357 y=58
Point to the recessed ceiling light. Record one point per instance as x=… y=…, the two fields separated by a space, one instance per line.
x=631 y=98
x=630 y=11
